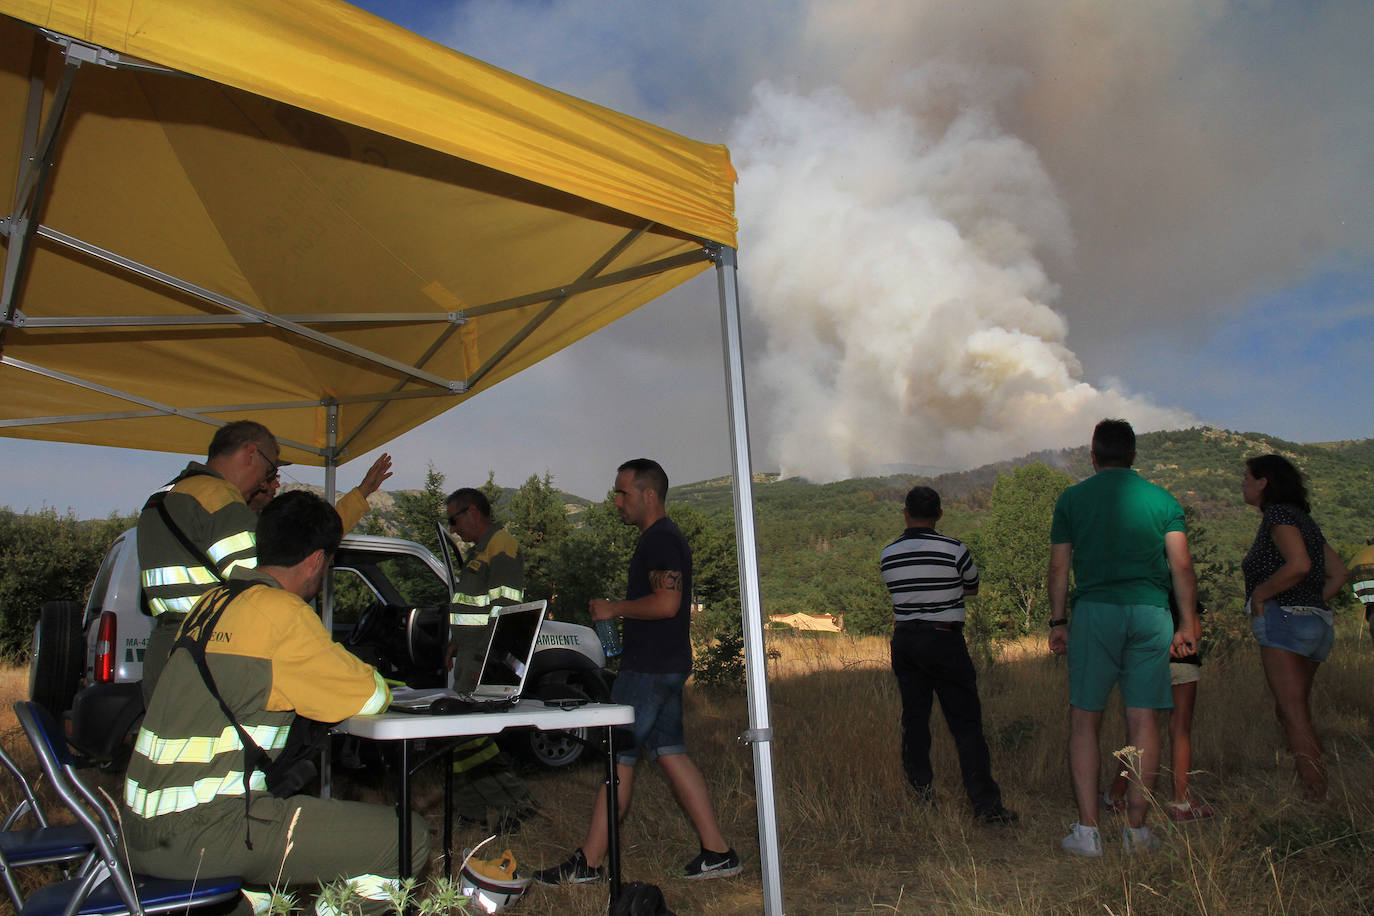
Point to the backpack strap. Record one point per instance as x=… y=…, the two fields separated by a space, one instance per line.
x=158 y=502
x=194 y=636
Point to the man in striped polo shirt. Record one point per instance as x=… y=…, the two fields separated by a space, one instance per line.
x=1362 y=581
x=928 y=575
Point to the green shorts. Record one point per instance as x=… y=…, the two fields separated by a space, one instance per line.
x=1126 y=643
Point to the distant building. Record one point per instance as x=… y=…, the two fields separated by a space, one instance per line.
x=818 y=623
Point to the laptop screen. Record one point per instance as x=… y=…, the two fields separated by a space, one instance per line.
x=515 y=630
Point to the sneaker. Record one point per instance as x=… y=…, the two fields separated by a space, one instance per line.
x=1113 y=804
x=998 y=815
x=365 y=895
x=713 y=865
x=1083 y=841
x=1189 y=811
x=574 y=870
x=1136 y=840
x=259 y=901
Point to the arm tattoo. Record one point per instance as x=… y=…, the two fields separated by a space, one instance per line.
x=669 y=579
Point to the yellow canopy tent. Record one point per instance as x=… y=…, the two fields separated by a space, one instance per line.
x=311 y=207
x=293 y=211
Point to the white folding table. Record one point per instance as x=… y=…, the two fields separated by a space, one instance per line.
x=407 y=727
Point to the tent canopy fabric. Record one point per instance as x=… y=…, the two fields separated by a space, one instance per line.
x=303 y=214
x=294 y=211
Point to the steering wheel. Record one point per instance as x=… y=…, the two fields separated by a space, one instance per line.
x=367 y=622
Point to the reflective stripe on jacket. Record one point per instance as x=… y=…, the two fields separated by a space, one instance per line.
x=175 y=799
x=493 y=575
x=271 y=659
x=212 y=515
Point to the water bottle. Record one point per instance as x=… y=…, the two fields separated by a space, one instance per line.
x=609 y=633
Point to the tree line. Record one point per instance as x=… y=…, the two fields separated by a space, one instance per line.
x=572 y=557
x=45 y=556
x=818 y=544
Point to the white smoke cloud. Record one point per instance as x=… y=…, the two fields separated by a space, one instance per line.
x=1148 y=171
x=895 y=261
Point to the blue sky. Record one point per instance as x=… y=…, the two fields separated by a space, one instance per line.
x=1315 y=337
x=1069 y=209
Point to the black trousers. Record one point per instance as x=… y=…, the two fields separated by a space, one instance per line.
x=932 y=661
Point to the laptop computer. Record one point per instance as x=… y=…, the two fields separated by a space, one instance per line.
x=499 y=679
x=514 y=636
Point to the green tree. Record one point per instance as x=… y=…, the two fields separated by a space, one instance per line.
x=866 y=605
x=418 y=510
x=717 y=624
x=715 y=568
x=1220 y=589
x=538 y=520
x=1012 y=550
x=592 y=561
x=48 y=557
x=493 y=494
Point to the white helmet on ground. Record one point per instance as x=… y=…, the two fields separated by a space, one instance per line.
x=492 y=884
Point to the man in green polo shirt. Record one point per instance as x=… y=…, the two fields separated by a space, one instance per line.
x=1124 y=539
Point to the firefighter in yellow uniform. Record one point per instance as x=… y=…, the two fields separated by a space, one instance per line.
x=493 y=575
x=189 y=809
x=198 y=529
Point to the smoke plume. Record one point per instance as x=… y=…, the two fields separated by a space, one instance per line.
x=895 y=259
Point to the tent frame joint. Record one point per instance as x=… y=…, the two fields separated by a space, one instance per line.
x=755 y=736
x=80 y=52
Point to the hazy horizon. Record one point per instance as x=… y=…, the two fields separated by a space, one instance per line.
x=895 y=470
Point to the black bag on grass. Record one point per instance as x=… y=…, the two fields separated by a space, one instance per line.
x=640 y=899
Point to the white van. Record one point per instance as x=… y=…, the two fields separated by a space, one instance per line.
x=390 y=601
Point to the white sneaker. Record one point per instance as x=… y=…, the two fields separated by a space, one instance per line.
x=1083 y=841
x=260 y=901
x=1138 y=840
x=364 y=895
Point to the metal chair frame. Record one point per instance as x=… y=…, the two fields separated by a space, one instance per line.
x=45 y=844
x=109 y=886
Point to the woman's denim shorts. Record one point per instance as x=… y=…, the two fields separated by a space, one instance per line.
x=1306 y=634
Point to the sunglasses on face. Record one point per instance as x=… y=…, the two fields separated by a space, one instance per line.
x=273 y=470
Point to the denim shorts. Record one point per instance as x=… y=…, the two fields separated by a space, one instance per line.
x=1308 y=635
x=657 y=701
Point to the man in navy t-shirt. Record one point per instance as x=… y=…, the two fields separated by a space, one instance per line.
x=653 y=669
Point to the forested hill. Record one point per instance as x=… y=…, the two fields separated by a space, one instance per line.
x=818 y=543
x=1202 y=466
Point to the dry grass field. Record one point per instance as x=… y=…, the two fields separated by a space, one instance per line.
x=852 y=841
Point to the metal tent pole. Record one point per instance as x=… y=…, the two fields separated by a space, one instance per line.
x=760 y=733
x=331 y=462
x=331 y=453
x=331 y=468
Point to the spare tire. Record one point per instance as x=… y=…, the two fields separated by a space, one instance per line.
x=57 y=659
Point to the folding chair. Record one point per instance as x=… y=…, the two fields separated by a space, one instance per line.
x=41 y=845
x=108 y=887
